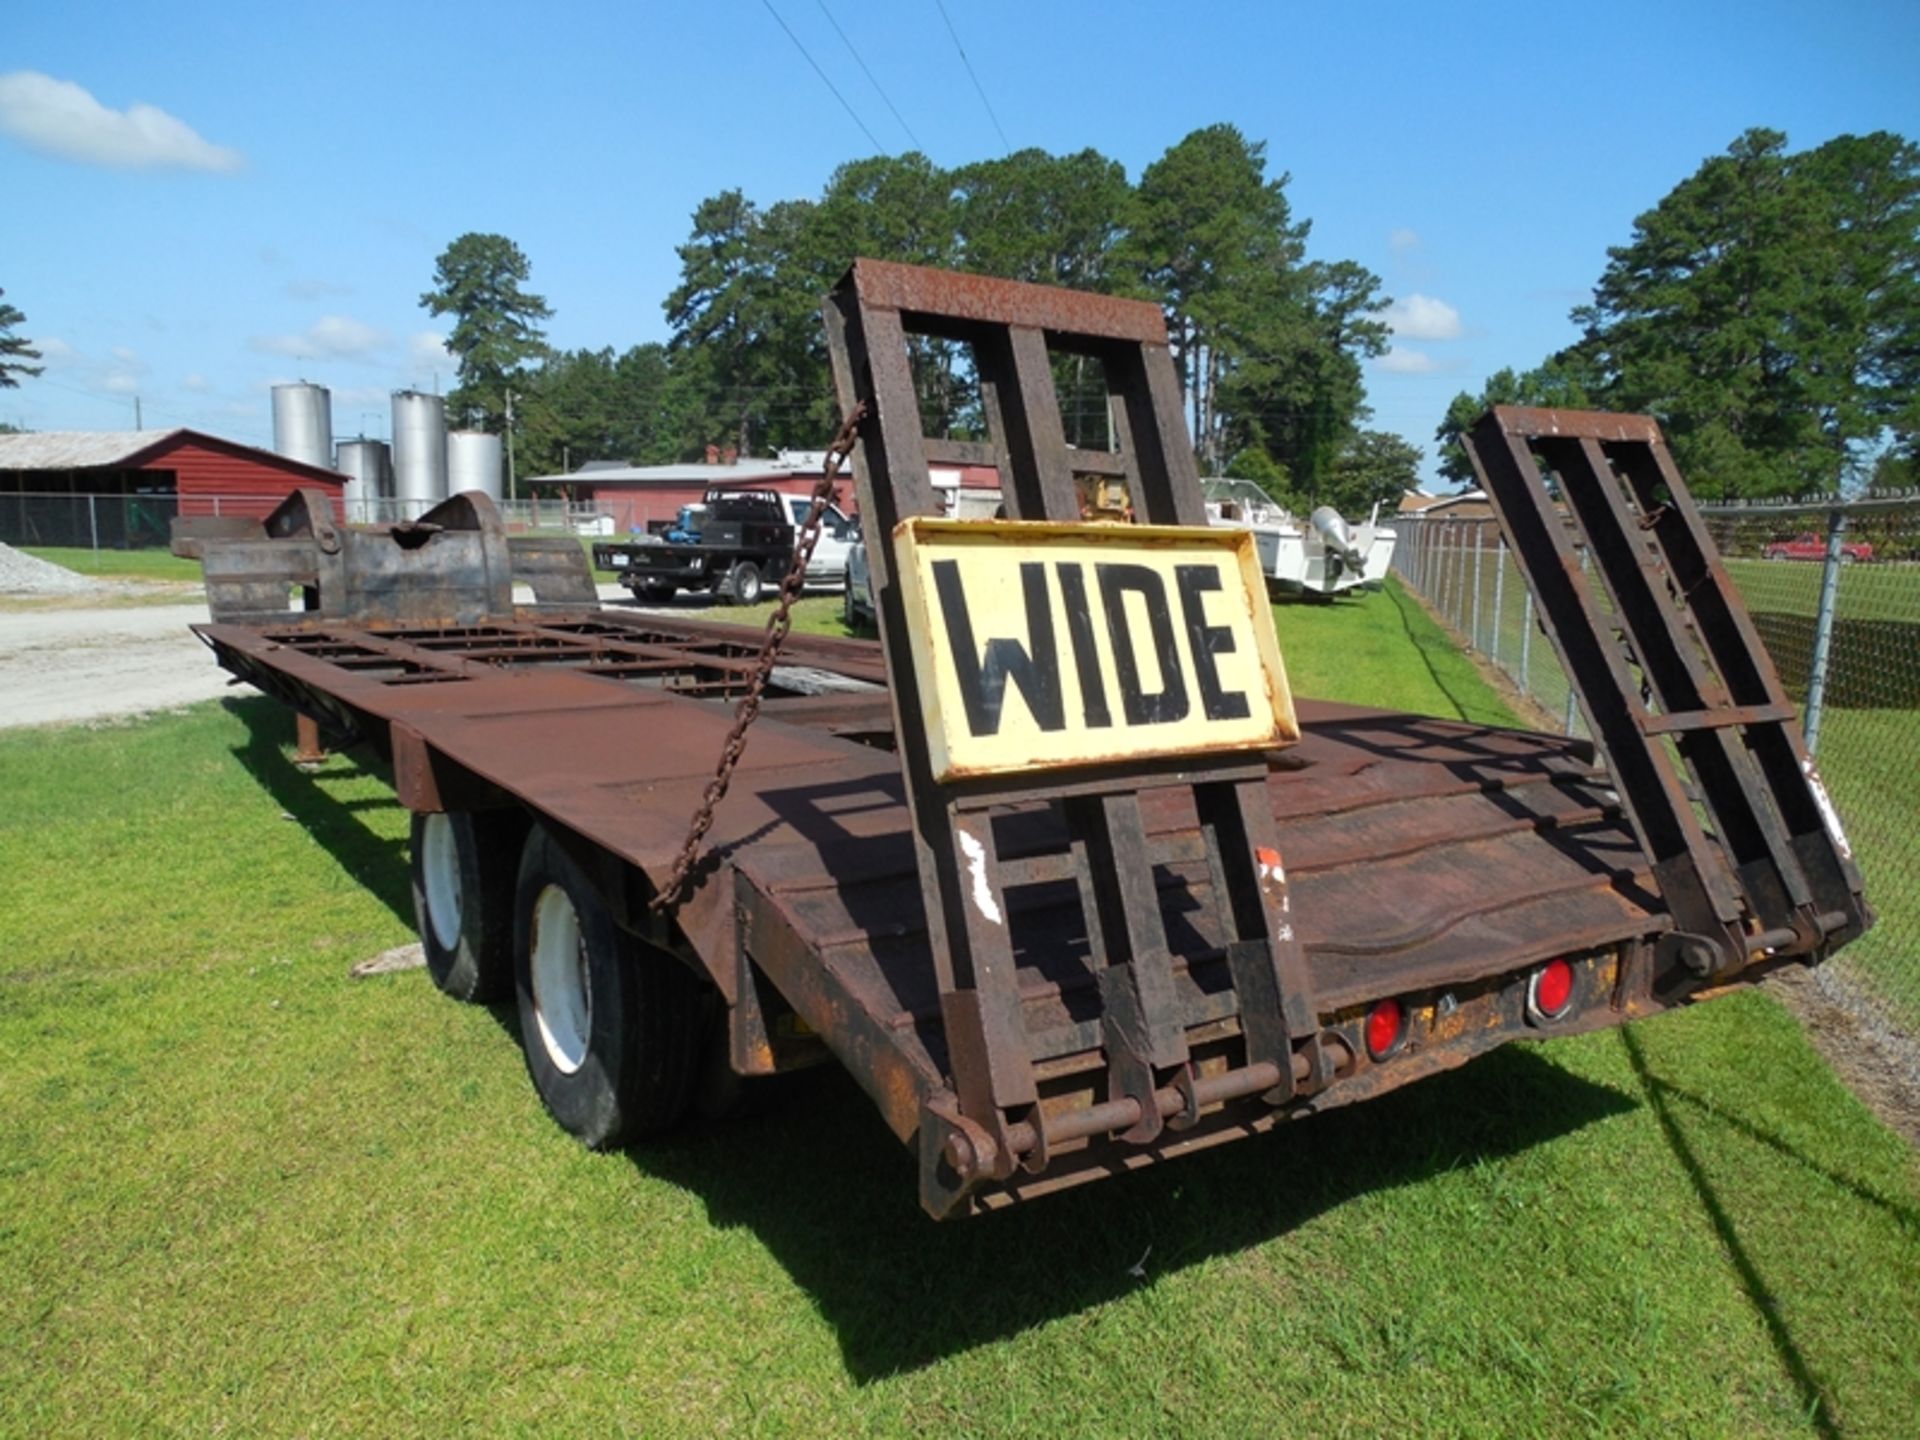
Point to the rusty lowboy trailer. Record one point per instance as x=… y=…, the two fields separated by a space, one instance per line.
x=1049 y=971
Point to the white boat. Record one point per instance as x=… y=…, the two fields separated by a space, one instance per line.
x=1326 y=556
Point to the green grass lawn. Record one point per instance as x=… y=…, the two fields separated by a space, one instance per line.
x=119 y=564
x=1875 y=591
x=242 y=1193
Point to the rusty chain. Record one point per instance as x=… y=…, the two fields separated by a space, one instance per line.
x=679 y=882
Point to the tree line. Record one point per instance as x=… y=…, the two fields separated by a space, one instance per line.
x=1268 y=341
x=1766 y=312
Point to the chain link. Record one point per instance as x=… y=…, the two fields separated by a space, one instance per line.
x=779 y=624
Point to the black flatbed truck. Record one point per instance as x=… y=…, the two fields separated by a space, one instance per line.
x=744 y=547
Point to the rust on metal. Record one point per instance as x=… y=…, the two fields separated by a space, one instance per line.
x=1046 y=977
x=948 y=295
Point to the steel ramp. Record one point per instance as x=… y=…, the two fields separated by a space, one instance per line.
x=967 y=875
x=1668 y=668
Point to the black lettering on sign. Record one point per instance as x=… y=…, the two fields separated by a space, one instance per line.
x=1034 y=667
x=1086 y=658
x=1169 y=702
x=1208 y=641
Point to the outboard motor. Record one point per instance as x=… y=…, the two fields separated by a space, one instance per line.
x=1333 y=533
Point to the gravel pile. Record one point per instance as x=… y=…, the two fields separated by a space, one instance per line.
x=30 y=575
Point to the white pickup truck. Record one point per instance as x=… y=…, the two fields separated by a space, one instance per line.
x=828 y=567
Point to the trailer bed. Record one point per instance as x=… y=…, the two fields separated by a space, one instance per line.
x=1422 y=854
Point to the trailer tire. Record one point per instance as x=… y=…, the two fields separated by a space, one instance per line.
x=611 y=1028
x=743 y=583
x=463 y=865
x=652 y=592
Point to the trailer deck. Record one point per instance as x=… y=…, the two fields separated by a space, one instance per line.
x=1424 y=855
x=1058 y=869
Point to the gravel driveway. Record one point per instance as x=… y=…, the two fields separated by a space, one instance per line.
x=92 y=664
x=63 y=665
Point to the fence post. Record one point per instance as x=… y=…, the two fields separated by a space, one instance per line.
x=1526 y=641
x=1499 y=595
x=93 y=525
x=1479 y=538
x=1460 y=583
x=1823 y=627
x=216 y=505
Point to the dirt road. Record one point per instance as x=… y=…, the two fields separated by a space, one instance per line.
x=62 y=665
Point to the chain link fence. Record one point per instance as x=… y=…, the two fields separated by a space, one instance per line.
x=1834 y=592
x=143 y=521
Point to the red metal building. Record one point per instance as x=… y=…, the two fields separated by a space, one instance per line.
x=637 y=495
x=120 y=488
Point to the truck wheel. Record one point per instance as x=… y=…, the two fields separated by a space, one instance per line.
x=651 y=592
x=610 y=1027
x=743 y=584
x=462 y=868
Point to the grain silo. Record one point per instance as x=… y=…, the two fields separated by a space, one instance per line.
x=419 y=452
x=303 y=423
x=368 y=466
x=473 y=462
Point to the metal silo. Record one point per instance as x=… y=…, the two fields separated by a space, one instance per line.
x=368 y=466
x=303 y=423
x=419 y=452
x=473 y=462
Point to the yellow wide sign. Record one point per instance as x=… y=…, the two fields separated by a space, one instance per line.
x=1039 y=645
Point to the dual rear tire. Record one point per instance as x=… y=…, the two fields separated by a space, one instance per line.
x=611 y=1028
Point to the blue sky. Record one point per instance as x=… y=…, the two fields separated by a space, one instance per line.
x=276 y=209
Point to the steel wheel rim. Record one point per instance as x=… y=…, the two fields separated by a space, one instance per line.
x=562 y=996
x=440 y=867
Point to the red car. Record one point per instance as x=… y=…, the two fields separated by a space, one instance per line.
x=1809 y=546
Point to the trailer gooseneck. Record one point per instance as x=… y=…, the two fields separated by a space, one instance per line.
x=1058 y=869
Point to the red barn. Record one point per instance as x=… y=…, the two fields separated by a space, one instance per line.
x=120 y=488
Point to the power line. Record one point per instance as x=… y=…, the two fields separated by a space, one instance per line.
x=1004 y=144
x=868 y=73
x=824 y=78
x=125 y=402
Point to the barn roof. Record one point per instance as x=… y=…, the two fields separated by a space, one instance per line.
x=79 y=449
x=128 y=449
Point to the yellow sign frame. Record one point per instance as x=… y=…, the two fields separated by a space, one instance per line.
x=1046 y=608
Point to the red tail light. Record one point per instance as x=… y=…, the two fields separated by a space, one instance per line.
x=1550 y=991
x=1383 y=1029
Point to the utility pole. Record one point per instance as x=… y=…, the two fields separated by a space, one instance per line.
x=136 y=413
x=513 y=488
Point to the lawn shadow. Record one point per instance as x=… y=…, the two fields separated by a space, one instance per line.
x=831 y=1195
x=376 y=861
x=816 y=1178
x=1813 y=1394
x=1401 y=603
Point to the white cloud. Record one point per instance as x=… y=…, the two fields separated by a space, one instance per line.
x=1403 y=240
x=197 y=383
x=331 y=337
x=57 y=352
x=427 y=353
x=121 y=383
x=127 y=355
x=1420 y=317
x=357 y=398
x=1401 y=361
x=60 y=118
